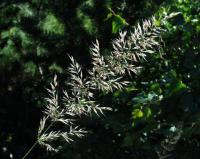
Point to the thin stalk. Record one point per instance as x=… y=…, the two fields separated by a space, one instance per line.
x=33 y=146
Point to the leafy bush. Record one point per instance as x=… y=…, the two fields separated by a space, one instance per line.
x=163 y=116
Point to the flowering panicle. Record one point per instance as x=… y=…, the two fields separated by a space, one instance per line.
x=106 y=75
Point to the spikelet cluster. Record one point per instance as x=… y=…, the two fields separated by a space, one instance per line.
x=106 y=75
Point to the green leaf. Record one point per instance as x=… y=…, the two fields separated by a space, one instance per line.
x=147 y=112
x=55 y=68
x=137 y=113
x=143 y=98
x=156 y=88
x=179 y=87
x=41 y=51
x=30 y=69
x=116 y=94
x=88 y=25
x=52 y=25
x=5 y=34
x=109 y=16
x=118 y=23
x=86 y=21
x=25 y=10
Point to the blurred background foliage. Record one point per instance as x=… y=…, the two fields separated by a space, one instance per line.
x=156 y=117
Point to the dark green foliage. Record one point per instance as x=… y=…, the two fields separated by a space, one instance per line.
x=164 y=115
x=157 y=116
